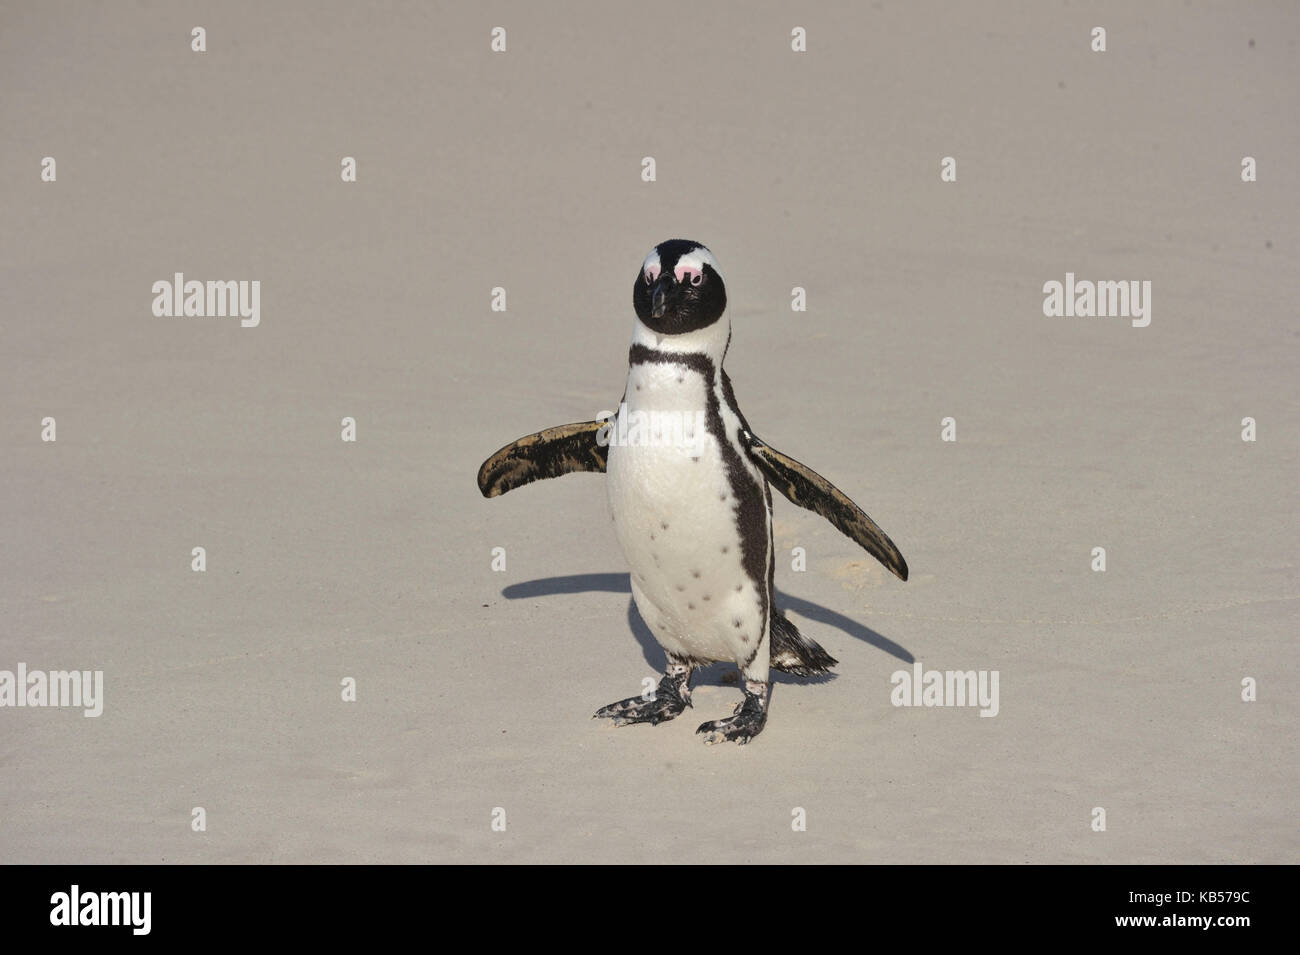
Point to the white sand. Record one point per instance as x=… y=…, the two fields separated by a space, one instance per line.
x=371 y=560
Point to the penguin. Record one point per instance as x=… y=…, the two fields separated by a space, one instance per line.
x=688 y=486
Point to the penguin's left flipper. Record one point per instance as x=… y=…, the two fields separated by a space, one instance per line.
x=805 y=487
x=546 y=454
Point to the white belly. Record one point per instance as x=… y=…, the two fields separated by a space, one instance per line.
x=673 y=508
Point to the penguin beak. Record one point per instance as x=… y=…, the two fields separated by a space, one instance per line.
x=657 y=300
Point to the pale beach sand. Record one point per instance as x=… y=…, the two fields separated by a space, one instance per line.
x=371 y=560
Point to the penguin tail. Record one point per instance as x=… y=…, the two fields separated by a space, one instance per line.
x=792 y=652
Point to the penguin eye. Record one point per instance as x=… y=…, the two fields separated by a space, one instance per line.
x=697 y=278
x=690 y=274
x=647 y=276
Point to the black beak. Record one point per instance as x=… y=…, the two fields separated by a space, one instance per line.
x=657 y=303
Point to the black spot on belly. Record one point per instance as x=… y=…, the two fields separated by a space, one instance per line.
x=735 y=622
x=707 y=597
x=695 y=574
x=690 y=606
x=739 y=587
x=663 y=525
x=681 y=586
x=726 y=550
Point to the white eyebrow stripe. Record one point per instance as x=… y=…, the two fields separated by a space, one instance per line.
x=696 y=259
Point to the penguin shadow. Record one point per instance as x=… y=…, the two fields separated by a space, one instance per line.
x=654 y=654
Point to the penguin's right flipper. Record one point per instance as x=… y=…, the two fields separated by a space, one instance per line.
x=546 y=454
x=805 y=487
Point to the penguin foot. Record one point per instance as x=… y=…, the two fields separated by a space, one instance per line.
x=749 y=719
x=670 y=700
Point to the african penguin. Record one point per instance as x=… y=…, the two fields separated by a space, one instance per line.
x=688 y=492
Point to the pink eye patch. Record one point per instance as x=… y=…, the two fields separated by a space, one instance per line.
x=651 y=273
x=688 y=273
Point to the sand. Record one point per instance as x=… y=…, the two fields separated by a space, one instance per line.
x=372 y=560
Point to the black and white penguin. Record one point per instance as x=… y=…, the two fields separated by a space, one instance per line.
x=688 y=491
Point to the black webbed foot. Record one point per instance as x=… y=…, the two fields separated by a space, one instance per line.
x=670 y=698
x=749 y=719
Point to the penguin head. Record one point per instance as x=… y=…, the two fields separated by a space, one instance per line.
x=679 y=288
